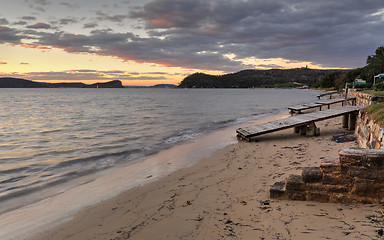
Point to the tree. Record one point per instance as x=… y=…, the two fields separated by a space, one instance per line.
x=375 y=64
x=349 y=77
x=329 y=80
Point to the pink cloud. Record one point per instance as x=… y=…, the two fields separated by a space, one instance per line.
x=33 y=46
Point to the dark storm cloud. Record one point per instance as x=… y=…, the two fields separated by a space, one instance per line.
x=42 y=2
x=20 y=23
x=3 y=21
x=90 y=25
x=66 y=21
x=40 y=5
x=71 y=6
x=39 y=25
x=200 y=34
x=114 y=18
x=28 y=18
x=326 y=32
x=10 y=35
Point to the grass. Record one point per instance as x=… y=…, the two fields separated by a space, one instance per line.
x=374 y=93
x=376 y=111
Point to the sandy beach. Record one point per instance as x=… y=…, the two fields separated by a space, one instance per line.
x=226 y=196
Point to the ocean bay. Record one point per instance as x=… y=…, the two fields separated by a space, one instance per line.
x=51 y=136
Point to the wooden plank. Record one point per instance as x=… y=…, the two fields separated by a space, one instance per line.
x=332 y=101
x=294 y=121
x=312 y=105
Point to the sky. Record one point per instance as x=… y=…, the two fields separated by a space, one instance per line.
x=148 y=42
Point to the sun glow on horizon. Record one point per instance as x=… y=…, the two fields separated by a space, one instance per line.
x=56 y=65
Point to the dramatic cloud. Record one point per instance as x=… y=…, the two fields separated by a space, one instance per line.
x=28 y=18
x=42 y=2
x=90 y=25
x=227 y=35
x=3 y=21
x=39 y=25
x=66 y=21
x=294 y=29
x=116 y=18
x=9 y=35
x=20 y=23
x=85 y=75
x=71 y=6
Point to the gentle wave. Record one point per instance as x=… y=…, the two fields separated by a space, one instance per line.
x=49 y=136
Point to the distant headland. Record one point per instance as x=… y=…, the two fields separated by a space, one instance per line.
x=23 y=83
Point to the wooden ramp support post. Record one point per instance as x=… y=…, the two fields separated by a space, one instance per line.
x=312 y=130
x=352 y=121
x=349 y=121
x=344 y=121
x=307 y=130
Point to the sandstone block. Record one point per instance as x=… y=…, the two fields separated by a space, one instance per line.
x=366 y=187
x=311 y=174
x=295 y=183
x=320 y=197
x=298 y=196
x=367 y=173
x=361 y=157
x=277 y=190
x=342 y=198
x=319 y=187
x=337 y=189
x=336 y=179
x=330 y=165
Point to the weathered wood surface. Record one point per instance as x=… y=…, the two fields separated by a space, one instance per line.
x=290 y=122
x=300 y=108
x=333 y=101
x=319 y=104
x=328 y=93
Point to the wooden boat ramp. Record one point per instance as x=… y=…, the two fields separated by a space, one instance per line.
x=303 y=123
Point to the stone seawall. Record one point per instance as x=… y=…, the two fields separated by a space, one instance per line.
x=369 y=134
x=364 y=99
x=356 y=177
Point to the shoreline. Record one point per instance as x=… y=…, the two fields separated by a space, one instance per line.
x=44 y=213
x=226 y=196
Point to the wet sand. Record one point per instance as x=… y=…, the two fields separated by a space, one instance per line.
x=226 y=196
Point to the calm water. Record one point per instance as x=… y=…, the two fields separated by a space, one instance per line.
x=53 y=135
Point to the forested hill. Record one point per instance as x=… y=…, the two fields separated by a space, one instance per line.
x=257 y=78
